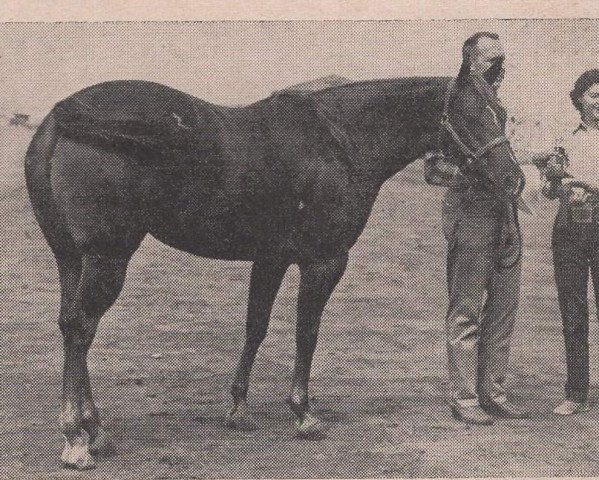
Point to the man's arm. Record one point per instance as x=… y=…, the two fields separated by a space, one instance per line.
x=529 y=157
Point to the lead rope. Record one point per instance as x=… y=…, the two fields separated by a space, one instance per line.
x=509 y=212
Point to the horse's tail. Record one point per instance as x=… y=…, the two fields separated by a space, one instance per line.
x=38 y=165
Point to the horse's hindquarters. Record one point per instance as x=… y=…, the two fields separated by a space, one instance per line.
x=102 y=196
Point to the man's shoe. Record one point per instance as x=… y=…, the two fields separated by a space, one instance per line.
x=504 y=410
x=473 y=415
x=569 y=407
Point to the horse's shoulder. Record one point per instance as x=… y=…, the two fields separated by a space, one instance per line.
x=305 y=131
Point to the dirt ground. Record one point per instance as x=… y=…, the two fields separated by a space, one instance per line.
x=164 y=356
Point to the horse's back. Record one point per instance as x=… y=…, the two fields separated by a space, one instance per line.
x=266 y=176
x=156 y=125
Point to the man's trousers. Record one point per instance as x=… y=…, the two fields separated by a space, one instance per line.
x=483 y=298
x=575 y=255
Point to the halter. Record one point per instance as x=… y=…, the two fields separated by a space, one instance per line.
x=470 y=155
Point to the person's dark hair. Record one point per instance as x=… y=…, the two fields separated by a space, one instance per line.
x=467 y=50
x=584 y=82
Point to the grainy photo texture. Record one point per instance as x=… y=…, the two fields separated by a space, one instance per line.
x=299 y=249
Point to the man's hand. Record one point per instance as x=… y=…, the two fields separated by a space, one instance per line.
x=552 y=165
x=555 y=167
x=577 y=195
x=540 y=159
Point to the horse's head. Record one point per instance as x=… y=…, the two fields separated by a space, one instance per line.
x=478 y=124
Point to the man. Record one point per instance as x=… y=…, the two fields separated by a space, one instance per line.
x=483 y=298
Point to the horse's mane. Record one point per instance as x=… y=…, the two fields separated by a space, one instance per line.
x=379 y=86
x=352 y=98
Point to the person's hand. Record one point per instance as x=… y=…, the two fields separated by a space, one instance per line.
x=551 y=189
x=555 y=167
x=570 y=183
x=590 y=187
x=540 y=159
x=577 y=195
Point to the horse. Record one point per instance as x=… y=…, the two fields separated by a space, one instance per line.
x=289 y=179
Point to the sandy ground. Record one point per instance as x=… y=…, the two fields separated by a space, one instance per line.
x=379 y=374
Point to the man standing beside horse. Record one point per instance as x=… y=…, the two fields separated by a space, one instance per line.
x=484 y=243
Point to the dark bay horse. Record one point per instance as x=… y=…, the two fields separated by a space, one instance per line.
x=290 y=179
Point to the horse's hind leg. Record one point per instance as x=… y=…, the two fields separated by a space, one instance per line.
x=266 y=279
x=76 y=192
x=99 y=285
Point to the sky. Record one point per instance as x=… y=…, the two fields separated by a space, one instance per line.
x=233 y=63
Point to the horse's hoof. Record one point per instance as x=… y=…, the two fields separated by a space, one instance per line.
x=240 y=419
x=76 y=455
x=103 y=444
x=311 y=428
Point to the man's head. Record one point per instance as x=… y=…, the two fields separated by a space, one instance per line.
x=482 y=53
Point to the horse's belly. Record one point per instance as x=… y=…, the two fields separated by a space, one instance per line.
x=207 y=242
x=231 y=234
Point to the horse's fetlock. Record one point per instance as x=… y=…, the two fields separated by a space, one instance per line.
x=70 y=423
x=298 y=403
x=89 y=415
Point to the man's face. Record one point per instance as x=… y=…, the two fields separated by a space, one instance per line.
x=487 y=60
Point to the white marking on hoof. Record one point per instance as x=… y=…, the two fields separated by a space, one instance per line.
x=241 y=419
x=311 y=428
x=76 y=454
x=103 y=444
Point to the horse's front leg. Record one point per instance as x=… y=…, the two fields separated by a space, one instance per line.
x=318 y=280
x=267 y=275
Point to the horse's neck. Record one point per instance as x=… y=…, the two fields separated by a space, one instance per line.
x=391 y=143
x=386 y=124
